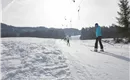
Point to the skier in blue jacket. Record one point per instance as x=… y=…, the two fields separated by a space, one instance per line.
x=98 y=37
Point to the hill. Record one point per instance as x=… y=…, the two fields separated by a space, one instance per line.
x=41 y=31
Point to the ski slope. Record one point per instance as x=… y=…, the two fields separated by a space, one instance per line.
x=52 y=59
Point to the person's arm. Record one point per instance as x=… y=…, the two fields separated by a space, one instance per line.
x=99 y=31
x=96 y=32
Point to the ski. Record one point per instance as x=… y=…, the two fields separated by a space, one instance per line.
x=98 y=51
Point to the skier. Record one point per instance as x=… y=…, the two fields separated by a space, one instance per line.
x=98 y=38
x=68 y=41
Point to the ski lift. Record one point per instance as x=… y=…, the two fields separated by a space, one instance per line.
x=78 y=8
x=73 y=0
x=65 y=18
x=70 y=23
x=78 y=12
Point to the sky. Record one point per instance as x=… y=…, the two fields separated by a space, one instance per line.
x=59 y=13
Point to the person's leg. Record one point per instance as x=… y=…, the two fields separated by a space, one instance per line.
x=96 y=43
x=100 y=42
x=69 y=42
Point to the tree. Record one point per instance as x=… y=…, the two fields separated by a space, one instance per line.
x=82 y=34
x=124 y=19
x=107 y=32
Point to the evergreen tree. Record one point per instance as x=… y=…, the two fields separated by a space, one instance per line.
x=124 y=19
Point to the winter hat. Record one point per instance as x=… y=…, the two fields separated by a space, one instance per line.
x=96 y=24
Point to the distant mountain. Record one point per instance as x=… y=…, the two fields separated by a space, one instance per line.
x=43 y=32
x=12 y=31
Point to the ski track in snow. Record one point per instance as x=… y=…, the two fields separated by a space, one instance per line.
x=51 y=59
x=110 y=65
x=33 y=59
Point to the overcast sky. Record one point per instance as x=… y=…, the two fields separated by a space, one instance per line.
x=59 y=13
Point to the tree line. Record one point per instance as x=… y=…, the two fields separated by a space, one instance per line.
x=41 y=32
x=107 y=32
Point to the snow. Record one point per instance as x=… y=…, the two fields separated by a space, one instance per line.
x=52 y=59
x=33 y=59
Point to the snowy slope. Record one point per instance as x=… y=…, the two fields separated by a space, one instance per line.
x=33 y=59
x=50 y=59
x=88 y=65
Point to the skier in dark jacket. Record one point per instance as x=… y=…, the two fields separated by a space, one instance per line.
x=98 y=38
x=68 y=40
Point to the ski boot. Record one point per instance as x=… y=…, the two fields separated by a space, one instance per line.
x=95 y=50
x=102 y=50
